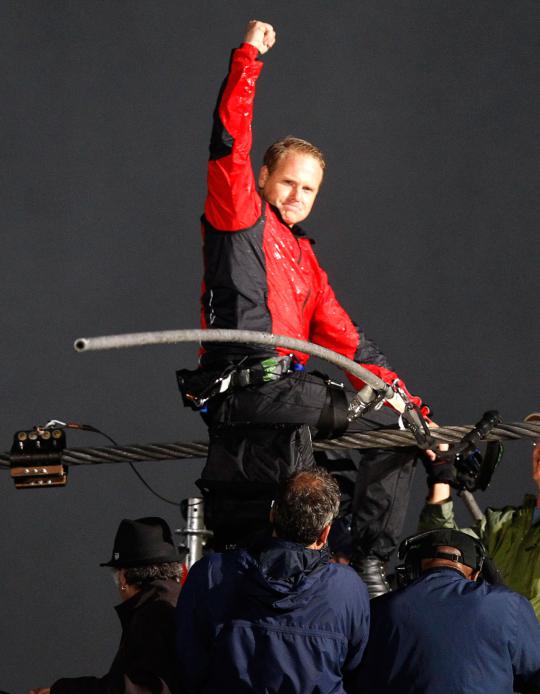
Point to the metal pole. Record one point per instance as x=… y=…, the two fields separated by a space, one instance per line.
x=471 y=505
x=195 y=532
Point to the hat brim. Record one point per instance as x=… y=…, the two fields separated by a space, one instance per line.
x=147 y=561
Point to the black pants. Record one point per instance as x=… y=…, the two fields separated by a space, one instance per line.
x=261 y=434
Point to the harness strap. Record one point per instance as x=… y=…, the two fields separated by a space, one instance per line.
x=267 y=370
x=333 y=420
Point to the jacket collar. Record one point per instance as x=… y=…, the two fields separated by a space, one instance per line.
x=445 y=570
x=529 y=501
x=165 y=589
x=287 y=561
x=295 y=230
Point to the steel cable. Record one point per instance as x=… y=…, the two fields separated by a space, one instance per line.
x=378 y=438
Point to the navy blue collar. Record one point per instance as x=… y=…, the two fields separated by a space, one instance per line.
x=285 y=560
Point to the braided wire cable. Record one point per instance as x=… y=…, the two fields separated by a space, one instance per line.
x=378 y=438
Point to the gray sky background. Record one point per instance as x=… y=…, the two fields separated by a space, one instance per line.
x=427 y=225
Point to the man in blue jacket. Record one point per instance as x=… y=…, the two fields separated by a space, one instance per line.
x=447 y=632
x=279 y=617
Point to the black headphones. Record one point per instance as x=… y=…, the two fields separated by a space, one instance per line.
x=424 y=546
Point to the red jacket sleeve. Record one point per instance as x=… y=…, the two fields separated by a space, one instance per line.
x=330 y=325
x=332 y=328
x=233 y=202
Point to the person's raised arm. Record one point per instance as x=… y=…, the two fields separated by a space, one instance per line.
x=232 y=201
x=439 y=493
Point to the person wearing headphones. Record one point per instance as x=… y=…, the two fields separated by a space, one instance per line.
x=447 y=631
x=510 y=534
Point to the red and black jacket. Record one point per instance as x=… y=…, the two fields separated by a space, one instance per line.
x=259 y=274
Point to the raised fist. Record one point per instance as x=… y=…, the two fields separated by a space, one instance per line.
x=261 y=35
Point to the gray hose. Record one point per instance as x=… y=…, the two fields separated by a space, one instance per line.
x=168 y=337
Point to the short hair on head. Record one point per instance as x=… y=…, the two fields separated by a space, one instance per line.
x=139 y=575
x=307 y=502
x=278 y=149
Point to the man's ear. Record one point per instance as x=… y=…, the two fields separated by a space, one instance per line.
x=263 y=176
x=323 y=537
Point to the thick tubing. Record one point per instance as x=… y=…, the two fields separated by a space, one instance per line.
x=170 y=337
x=471 y=505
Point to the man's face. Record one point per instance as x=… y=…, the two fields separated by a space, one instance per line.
x=292 y=186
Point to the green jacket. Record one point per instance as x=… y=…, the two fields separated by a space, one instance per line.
x=510 y=540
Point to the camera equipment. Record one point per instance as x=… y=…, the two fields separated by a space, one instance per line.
x=474 y=470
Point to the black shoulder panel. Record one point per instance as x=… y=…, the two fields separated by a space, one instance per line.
x=235 y=282
x=221 y=141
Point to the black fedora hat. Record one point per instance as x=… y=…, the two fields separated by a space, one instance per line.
x=142 y=542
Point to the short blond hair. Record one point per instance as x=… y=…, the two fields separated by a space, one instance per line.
x=278 y=149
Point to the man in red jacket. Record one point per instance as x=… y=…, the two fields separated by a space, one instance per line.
x=260 y=273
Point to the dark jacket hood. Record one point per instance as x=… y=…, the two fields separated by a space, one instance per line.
x=282 y=572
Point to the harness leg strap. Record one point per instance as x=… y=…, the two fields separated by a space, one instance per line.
x=333 y=420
